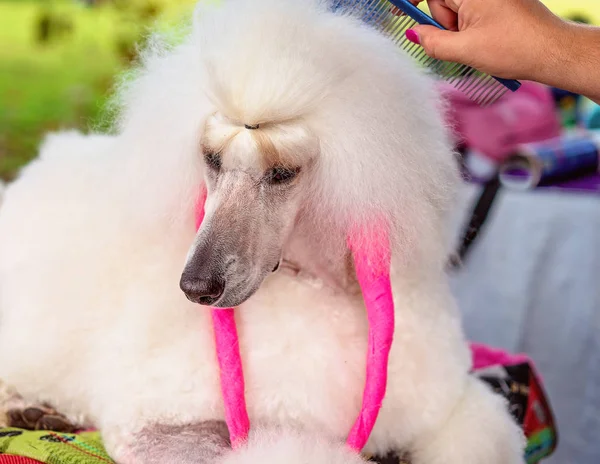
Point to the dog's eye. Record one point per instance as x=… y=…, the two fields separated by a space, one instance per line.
x=281 y=175
x=213 y=160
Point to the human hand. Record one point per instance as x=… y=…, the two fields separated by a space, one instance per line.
x=515 y=39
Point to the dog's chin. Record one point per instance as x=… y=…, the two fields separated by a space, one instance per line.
x=244 y=288
x=240 y=289
x=231 y=301
x=236 y=297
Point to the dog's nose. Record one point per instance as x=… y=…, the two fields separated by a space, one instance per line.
x=205 y=292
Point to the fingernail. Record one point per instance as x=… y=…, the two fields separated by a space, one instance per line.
x=413 y=36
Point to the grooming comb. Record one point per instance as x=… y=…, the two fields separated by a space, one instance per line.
x=384 y=16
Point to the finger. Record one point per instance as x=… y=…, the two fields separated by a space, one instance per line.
x=452 y=4
x=443 y=14
x=440 y=44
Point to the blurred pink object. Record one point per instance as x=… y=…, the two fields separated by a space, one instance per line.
x=528 y=115
x=485 y=356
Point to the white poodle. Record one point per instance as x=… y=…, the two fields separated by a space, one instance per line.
x=300 y=122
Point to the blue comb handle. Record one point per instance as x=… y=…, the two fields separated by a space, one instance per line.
x=422 y=18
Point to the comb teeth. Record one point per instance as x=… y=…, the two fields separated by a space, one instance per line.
x=477 y=86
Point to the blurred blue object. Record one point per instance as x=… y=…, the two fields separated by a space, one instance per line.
x=571 y=156
x=569 y=107
x=593 y=117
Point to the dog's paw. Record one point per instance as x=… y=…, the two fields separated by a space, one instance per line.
x=32 y=416
x=15 y=411
x=39 y=417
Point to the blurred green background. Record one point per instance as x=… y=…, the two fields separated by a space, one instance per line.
x=59 y=60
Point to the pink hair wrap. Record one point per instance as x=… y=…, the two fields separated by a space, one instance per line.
x=372 y=264
x=229 y=360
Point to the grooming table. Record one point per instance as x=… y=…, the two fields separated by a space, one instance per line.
x=530 y=284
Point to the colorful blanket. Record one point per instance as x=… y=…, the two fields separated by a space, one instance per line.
x=19 y=446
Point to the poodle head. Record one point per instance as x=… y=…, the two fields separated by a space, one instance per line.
x=256 y=177
x=310 y=122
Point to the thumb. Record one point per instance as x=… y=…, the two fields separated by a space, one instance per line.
x=438 y=43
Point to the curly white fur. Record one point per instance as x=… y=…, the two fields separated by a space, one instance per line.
x=272 y=446
x=94 y=235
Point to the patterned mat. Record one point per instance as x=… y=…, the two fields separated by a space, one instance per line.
x=19 y=446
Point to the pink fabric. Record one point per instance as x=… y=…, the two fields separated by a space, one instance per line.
x=372 y=265
x=230 y=361
x=200 y=207
x=373 y=273
x=484 y=356
x=528 y=115
x=232 y=375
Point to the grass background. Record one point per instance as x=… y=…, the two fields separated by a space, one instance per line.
x=64 y=82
